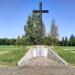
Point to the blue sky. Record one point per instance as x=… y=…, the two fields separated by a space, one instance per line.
x=14 y=13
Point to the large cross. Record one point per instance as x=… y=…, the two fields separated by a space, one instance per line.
x=40 y=11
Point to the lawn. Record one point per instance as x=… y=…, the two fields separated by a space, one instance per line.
x=10 y=55
x=67 y=53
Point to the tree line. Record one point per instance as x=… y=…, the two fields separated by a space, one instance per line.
x=67 y=41
x=46 y=41
x=32 y=34
x=6 y=41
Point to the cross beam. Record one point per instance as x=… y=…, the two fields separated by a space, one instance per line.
x=40 y=11
x=43 y=11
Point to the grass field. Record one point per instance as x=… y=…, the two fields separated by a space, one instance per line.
x=10 y=55
x=67 y=53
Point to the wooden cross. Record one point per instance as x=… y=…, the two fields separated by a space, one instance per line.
x=40 y=11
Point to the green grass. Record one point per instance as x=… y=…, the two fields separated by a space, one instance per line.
x=10 y=55
x=67 y=53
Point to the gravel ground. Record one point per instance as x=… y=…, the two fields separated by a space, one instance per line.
x=38 y=66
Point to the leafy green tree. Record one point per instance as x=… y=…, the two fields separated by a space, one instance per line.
x=40 y=33
x=6 y=41
x=54 y=32
x=72 y=40
x=0 y=41
x=47 y=40
x=36 y=19
x=32 y=29
x=66 y=41
x=12 y=41
x=23 y=40
x=63 y=41
x=18 y=41
x=36 y=23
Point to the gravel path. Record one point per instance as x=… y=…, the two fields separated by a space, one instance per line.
x=38 y=66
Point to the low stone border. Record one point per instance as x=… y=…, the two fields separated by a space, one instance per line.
x=26 y=57
x=56 y=57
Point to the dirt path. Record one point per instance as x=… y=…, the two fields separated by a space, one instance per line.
x=38 y=66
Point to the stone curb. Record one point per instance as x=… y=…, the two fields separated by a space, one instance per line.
x=57 y=57
x=25 y=58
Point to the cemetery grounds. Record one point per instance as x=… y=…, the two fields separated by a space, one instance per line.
x=10 y=55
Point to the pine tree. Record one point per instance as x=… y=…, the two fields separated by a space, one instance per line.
x=30 y=30
x=54 y=32
x=72 y=40
x=66 y=41
x=63 y=41
x=36 y=19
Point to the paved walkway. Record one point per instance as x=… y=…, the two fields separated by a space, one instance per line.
x=41 y=61
x=38 y=66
